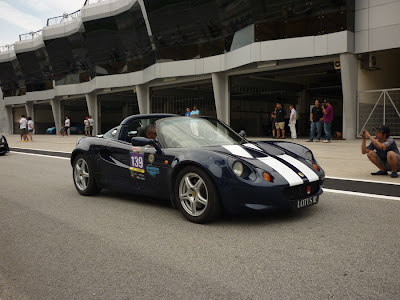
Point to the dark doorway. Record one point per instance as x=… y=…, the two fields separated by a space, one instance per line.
x=177 y=98
x=43 y=117
x=254 y=96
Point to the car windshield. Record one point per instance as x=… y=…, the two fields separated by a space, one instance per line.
x=187 y=132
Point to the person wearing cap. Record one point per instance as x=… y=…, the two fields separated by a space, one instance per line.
x=328 y=118
x=382 y=151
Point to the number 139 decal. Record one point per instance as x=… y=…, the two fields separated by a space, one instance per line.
x=137 y=162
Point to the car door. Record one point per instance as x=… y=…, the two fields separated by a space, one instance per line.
x=126 y=166
x=138 y=169
x=113 y=161
x=109 y=171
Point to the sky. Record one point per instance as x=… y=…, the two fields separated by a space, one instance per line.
x=23 y=16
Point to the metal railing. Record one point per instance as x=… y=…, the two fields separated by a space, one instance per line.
x=379 y=107
x=64 y=18
x=6 y=48
x=30 y=35
x=87 y=2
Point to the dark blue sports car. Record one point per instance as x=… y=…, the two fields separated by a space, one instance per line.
x=200 y=164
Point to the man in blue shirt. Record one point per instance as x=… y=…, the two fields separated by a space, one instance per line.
x=187 y=113
x=195 y=112
x=382 y=151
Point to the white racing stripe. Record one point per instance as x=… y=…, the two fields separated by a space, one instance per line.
x=284 y=170
x=249 y=145
x=310 y=174
x=238 y=150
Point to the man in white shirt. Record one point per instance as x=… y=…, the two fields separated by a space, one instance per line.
x=67 y=125
x=87 y=126
x=23 y=123
x=91 y=122
x=292 y=122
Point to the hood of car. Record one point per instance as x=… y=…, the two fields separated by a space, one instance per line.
x=294 y=168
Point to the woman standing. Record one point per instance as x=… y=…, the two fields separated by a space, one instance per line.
x=31 y=128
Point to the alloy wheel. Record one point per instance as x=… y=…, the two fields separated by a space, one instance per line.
x=193 y=194
x=81 y=174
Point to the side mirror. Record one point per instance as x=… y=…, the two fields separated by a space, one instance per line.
x=142 y=141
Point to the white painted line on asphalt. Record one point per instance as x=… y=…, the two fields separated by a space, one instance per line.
x=362 y=180
x=40 y=155
x=39 y=150
x=361 y=194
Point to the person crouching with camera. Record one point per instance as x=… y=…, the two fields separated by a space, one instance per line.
x=382 y=151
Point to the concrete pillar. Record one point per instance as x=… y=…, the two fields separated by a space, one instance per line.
x=93 y=109
x=349 y=70
x=10 y=119
x=222 y=96
x=6 y=118
x=56 y=108
x=29 y=110
x=143 y=97
x=303 y=111
x=125 y=110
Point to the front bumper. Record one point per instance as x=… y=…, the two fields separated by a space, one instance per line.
x=237 y=200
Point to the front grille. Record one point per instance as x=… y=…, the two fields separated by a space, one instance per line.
x=300 y=191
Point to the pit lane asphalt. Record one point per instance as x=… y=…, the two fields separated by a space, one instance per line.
x=56 y=244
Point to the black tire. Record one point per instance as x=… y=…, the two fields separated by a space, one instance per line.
x=83 y=176
x=196 y=195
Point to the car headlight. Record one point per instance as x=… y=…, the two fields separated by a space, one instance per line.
x=309 y=155
x=238 y=168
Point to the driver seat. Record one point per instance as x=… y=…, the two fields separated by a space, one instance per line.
x=141 y=131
